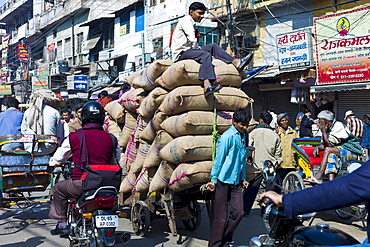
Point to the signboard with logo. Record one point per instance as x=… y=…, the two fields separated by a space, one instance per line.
x=22 y=53
x=5 y=90
x=343 y=47
x=39 y=82
x=295 y=49
x=77 y=82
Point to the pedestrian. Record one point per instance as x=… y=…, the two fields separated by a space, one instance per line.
x=339 y=146
x=184 y=44
x=287 y=134
x=300 y=116
x=41 y=118
x=77 y=123
x=67 y=119
x=124 y=89
x=10 y=122
x=273 y=123
x=354 y=124
x=104 y=98
x=365 y=142
x=305 y=129
x=228 y=177
x=99 y=149
x=267 y=147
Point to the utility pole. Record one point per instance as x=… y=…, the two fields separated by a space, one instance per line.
x=230 y=25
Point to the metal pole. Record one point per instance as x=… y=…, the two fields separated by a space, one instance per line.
x=230 y=27
x=143 y=50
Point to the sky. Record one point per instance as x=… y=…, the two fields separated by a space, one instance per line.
x=2 y=2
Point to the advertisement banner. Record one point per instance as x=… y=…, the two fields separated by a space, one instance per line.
x=39 y=82
x=343 y=47
x=294 y=49
x=5 y=90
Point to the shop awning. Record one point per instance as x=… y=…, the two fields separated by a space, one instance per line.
x=91 y=43
x=110 y=90
x=340 y=87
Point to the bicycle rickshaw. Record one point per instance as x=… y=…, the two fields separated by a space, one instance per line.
x=22 y=174
x=308 y=166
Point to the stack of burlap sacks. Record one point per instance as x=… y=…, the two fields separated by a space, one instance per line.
x=168 y=124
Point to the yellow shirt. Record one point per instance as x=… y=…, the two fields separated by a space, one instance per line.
x=286 y=138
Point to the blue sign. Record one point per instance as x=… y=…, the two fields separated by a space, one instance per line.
x=80 y=82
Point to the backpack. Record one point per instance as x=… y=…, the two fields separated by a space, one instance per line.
x=98 y=175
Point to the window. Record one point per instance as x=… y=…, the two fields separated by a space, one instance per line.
x=124 y=25
x=80 y=37
x=108 y=37
x=208 y=35
x=67 y=48
x=152 y=2
x=59 y=50
x=139 y=20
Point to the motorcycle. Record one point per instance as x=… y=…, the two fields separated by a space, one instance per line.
x=93 y=218
x=292 y=232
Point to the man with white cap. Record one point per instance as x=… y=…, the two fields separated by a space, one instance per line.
x=42 y=119
x=355 y=125
x=338 y=143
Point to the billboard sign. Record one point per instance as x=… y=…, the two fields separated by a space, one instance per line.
x=77 y=82
x=343 y=47
x=295 y=49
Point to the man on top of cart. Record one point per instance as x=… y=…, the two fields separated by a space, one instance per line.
x=100 y=150
x=229 y=176
x=184 y=44
x=338 y=143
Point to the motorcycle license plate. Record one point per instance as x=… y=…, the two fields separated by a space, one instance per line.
x=106 y=221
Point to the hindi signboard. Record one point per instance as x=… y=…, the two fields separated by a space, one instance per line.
x=295 y=49
x=343 y=47
x=5 y=90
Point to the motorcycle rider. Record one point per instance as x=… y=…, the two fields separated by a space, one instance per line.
x=100 y=149
x=341 y=192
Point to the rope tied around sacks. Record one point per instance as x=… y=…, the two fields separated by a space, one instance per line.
x=215 y=133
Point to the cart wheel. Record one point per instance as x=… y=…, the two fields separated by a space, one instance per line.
x=140 y=218
x=293 y=182
x=193 y=224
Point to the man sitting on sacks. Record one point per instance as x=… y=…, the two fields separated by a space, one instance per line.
x=184 y=44
x=339 y=146
x=41 y=118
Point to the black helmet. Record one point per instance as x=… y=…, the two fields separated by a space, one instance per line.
x=92 y=112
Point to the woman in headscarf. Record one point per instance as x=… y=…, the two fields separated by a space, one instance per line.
x=42 y=119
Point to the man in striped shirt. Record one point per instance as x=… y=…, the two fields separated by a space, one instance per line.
x=355 y=125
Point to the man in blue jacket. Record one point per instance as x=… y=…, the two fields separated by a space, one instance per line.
x=10 y=122
x=341 y=192
x=228 y=175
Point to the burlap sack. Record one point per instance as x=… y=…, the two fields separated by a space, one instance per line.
x=132 y=99
x=146 y=78
x=113 y=128
x=152 y=158
x=197 y=123
x=151 y=103
x=116 y=111
x=128 y=183
x=191 y=98
x=122 y=163
x=131 y=152
x=185 y=72
x=141 y=124
x=187 y=148
x=140 y=157
x=162 y=176
x=128 y=128
x=144 y=179
x=153 y=126
x=188 y=175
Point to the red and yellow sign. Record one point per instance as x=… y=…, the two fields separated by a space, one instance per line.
x=39 y=82
x=343 y=47
x=5 y=90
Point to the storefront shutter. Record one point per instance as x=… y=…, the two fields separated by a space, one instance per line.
x=357 y=100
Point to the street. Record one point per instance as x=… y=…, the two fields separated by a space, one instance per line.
x=31 y=229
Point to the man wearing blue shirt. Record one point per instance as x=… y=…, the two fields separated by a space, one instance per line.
x=10 y=122
x=228 y=176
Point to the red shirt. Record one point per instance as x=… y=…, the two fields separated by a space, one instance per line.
x=105 y=100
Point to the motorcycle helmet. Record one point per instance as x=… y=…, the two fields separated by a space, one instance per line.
x=92 y=112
